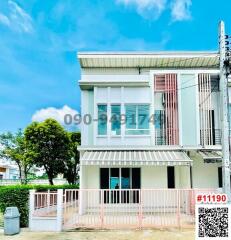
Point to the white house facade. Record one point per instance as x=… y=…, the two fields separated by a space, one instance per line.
x=150 y=120
x=8 y=170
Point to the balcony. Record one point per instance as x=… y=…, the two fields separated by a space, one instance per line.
x=208 y=137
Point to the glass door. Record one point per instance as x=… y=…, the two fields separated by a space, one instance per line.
x=115 y=185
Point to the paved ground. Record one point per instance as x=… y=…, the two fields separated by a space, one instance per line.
x=103 y=235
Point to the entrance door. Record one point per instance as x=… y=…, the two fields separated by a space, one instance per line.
x=115 y=185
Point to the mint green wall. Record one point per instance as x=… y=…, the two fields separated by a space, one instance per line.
x=188 y=109
x=91 y=112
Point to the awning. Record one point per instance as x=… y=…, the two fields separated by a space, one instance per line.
x=211 y=156
x=141 y=158
x=195 y=59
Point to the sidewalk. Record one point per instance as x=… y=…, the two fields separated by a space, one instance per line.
x=170 y=234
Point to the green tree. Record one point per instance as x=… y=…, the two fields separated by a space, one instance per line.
x=51 y=145
x=14 y=148
x=71 y=167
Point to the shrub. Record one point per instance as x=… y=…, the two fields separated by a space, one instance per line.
x=18 y=196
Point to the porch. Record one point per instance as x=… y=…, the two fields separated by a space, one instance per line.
x=111 y=209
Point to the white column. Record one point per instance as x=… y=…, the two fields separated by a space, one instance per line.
x=59 y=210
x=31 y=207
x=82 y=184
x=152 y=109
x=224 y=114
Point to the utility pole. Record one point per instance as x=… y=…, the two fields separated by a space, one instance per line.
x=224 y=111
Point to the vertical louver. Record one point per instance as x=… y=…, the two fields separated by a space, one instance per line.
x=167 y=85
x=205 y=108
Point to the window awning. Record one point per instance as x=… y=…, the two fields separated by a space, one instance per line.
x=211 y=156
x=141 y=158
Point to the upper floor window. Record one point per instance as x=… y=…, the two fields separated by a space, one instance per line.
x=137 y=119
x=102 y=119
x=115 y=120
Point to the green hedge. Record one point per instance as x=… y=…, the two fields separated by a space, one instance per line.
x=18 y=196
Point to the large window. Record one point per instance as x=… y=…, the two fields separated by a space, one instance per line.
x=115 y=120
x=116 y=183
x=159 y=120
x=120 y=178
x=102 y=119
x=171 y=176
x=137 y=119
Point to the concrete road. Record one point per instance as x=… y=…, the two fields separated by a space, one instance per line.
x=103 y=235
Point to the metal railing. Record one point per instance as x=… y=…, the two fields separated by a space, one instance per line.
x=130 y=208
x=210 y=137
x=45 y=204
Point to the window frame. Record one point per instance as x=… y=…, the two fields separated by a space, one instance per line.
x=120 y=105
x=137 y=120
x=102 y=104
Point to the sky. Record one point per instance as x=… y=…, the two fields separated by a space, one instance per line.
x=39 y=40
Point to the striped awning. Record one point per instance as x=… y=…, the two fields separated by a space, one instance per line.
x=159 y=158
x=211 y=156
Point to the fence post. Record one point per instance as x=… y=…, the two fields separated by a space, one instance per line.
x=59 y=210
x=102 y=207
x=31 y=207
x=140 y=208
x=48 y=200
x=178 y=208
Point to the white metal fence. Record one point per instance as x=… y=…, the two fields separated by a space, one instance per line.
x=120 y=208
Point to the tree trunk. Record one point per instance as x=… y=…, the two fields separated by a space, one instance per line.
x=20 y=173
x=50 y=180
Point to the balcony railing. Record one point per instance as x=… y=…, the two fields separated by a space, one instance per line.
x=212 y=137
x=208 y=137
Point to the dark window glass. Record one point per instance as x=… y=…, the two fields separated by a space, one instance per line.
x=104 y=178
x=125 y=178
x=135 y=178
x=220 y=177
x=171 y=177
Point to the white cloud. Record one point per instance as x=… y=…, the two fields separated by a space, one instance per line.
x=56 y=113
x=180 y=10
x=17 y=19
x=150 y=9
x=4 y=20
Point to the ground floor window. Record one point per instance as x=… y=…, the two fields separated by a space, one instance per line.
x=120 y=185
x=120 y=178
x=171 y=176
x=220 y=177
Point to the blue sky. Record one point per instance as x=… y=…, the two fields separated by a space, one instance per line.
x=39 y=41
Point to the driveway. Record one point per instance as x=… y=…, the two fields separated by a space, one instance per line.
x=103 y=235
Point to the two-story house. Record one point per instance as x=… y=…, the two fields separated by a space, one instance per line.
x=150 y=120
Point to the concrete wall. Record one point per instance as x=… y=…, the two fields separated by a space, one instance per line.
x=205 y=175
x=119 y=93
x=151 y=177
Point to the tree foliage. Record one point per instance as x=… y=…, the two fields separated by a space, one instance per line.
x=71 y=167
x=51 y=146
x=15 y=148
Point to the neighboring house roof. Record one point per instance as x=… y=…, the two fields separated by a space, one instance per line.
x=188 y=59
